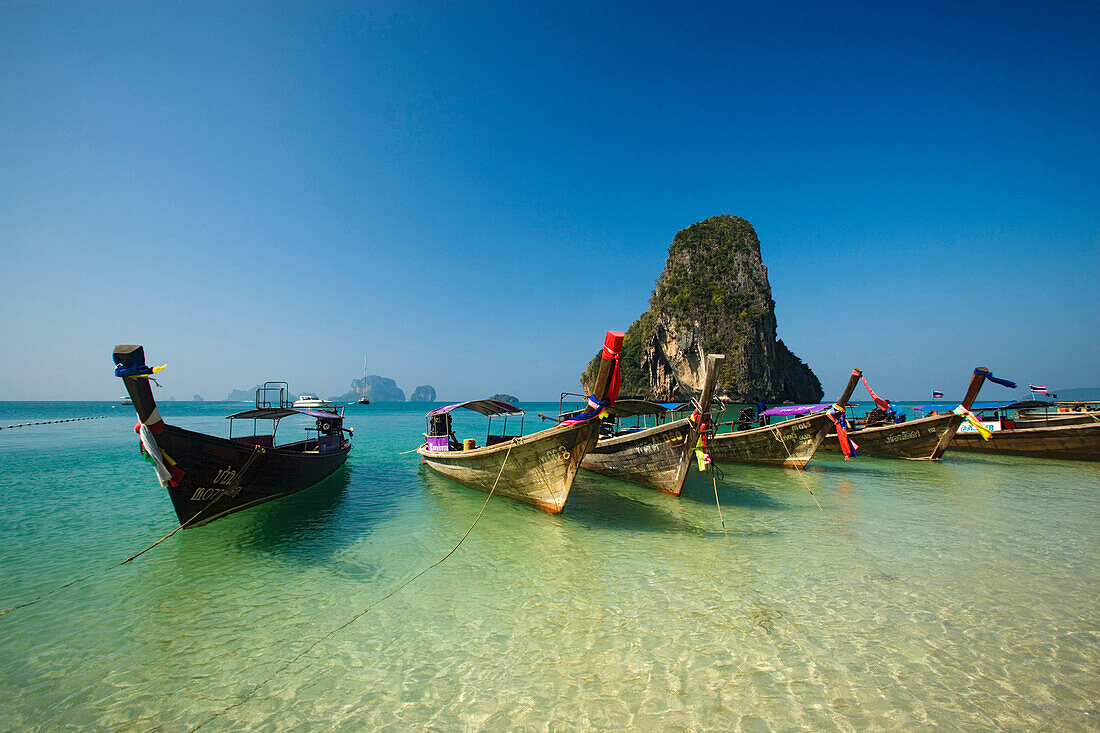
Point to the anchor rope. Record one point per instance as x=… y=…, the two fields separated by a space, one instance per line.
x=763 y=619
x=228 y=491
x=721 y=519
x=707 y=430
x=244 y=698
x=93 y=574
x=798 y=469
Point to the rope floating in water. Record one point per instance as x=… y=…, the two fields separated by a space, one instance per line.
x=365 y=611
x=52 y=422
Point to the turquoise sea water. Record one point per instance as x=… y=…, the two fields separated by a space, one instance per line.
x=963 y=594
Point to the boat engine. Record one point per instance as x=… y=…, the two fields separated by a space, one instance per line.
x=745 y=418
x=876 y=417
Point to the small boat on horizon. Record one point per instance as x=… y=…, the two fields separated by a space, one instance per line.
x=311 y=402
x=537 y=469
x=207 y=476
x=362 y=401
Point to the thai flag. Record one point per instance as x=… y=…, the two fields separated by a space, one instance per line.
x=937 y=395
x=1038 y=388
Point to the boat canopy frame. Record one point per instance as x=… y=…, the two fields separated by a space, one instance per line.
x=980 y=406
x=267 y=409
x=622 y=409
x=487 y=407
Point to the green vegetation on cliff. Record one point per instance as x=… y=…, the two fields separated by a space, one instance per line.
x=713 y=297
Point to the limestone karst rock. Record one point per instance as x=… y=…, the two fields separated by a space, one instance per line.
x=713 y=297
x=423 y=393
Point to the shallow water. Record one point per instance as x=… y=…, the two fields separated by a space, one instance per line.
x=961 y=594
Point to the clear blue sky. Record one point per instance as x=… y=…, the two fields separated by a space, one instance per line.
x=472 y=193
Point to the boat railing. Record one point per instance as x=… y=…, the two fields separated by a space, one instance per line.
x=264 y=393
x=502 y=435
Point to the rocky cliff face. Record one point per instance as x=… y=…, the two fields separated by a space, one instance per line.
x=375 y=389
x=423 y=393
x=713 y=297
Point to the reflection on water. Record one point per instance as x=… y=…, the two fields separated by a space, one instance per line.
x=305 y=527
x=957 y=595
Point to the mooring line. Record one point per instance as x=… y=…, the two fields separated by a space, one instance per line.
x=797 y=468
x=721 y=519
x=116 y=565
x=244 y=698
x=712 y=467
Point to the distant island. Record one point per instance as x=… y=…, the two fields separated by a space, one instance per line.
x=505 y=398
x=423 y=393
x=197 y=398
x=374 y=388
x=249 y=395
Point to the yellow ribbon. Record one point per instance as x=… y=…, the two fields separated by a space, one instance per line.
x=155 y=370
x=983 y=431
x=701 y=455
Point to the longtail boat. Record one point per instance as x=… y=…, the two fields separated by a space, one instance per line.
x=1048 y=414
x=537 y=469
x=790 y=442
x=923 y=439
x=208 y=477
x=1080 y=441
x=658 y=457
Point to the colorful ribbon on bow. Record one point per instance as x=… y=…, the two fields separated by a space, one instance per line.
x=166 y=473
x=702 y=455
x=971 y=418
x=847 y=446
x=598 y=408
x=1003 y=382
x=881 y=403
x=139 y=370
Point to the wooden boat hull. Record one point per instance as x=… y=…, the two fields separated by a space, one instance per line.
x=222 y=476
x=923 y=439
x=790 y=443
x=1077 y=442
x=657 y=457
x=537 y=469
